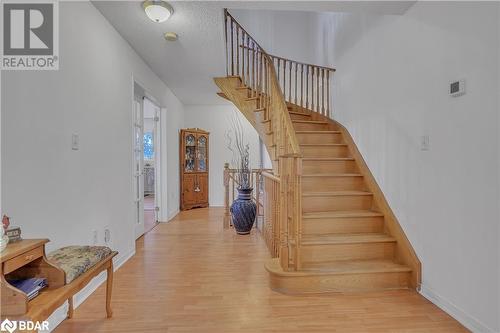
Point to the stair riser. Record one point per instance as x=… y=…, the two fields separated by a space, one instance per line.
x=325 y=151
x=336 y=203
x=319 y=138
x=310 y=127
x=326 y=184
x=340 y=283
x=295 y=116
x=318 y=166
x=325 y=253
x=342 y=225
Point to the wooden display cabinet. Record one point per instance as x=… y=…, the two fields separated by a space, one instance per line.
x=194 y=143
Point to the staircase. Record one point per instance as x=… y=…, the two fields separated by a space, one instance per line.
x=331 y=227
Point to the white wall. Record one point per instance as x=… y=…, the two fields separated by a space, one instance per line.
x=278 y=32
x=498 y=167
x=50 y=190
x=216 y=120
x=391 y=87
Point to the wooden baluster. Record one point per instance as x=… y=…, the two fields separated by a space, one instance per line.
x=227 y=216
x=243 y=37
x=290 y=82
x=284 y=79
x=247 y=49
x=317 y=90
x=328 y=94
x=279 y=60
x=232 y=48
x=295 y=84
x=256 y=54
x=238 y=50
x=302 y=85
x=322 y=91
x=307 y=87
x=254 y=67
x=225 y=37
x=312 y=88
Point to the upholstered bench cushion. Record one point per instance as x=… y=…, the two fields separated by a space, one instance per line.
x=76 y=260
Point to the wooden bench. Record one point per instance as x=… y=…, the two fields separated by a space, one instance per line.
x=27 y=258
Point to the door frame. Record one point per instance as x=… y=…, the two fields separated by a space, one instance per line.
x=138 y=171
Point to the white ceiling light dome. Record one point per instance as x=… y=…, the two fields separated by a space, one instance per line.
x=157 y=11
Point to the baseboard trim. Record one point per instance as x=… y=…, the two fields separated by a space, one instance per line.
x=173 y=214
x=58 y=316
x=461 y=316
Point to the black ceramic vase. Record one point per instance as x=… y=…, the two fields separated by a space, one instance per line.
x=243 y=211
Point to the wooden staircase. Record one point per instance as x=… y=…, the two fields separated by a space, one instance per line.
x=335 y=230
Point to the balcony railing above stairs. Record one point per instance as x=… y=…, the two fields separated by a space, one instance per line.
x=302 y=84
x=275 y=84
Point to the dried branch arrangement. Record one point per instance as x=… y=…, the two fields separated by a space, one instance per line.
x=240 y=150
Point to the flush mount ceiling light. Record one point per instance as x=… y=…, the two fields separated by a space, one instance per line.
x=157 y=11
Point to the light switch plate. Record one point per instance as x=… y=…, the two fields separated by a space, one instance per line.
x=75 y=142
x=425 y=143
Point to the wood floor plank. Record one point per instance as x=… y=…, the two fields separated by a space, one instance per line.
x=190 y=275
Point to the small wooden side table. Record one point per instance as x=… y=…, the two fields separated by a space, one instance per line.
x=20 y=260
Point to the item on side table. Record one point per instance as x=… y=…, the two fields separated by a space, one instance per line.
x=31 y=287
x=4 y=239
x=5 y=222
x=14 y=234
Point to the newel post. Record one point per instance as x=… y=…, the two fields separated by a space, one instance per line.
x=227 y=215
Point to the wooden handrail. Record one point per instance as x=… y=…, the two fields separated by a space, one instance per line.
x=270 y=176
x=268 y=85
x=313 y=93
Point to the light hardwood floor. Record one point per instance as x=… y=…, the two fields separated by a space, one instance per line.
x=192 y=276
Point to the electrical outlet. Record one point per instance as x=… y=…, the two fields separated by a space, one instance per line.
x=107 y=236
x=95 y=237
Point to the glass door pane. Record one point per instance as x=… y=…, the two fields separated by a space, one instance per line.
x=202 y=153
x=190 y=153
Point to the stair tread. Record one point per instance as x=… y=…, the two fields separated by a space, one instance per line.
x=318 y=132
x=342 y=213
x=334 y=193
x=357 y=266
x=299 y=113
x=323 y=144
x=333 y=175
x=309 y=121
x=328 y=159
x=333 y=239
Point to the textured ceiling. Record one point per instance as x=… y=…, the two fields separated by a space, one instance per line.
x=188 y=65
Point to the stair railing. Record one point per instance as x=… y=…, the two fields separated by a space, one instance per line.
x=246 y=59
x=305 y=85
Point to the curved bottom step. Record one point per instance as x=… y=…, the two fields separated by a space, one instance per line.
x=367 y=276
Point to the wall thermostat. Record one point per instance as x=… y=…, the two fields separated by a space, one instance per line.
x=457 y=88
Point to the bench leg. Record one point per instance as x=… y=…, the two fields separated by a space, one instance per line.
x=70 y=307
x=109 y=289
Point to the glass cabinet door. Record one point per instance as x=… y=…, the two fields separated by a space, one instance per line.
x=190 y=153
x=202 y=153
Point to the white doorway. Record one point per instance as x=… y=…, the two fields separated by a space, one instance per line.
x=147 y=162
x=138 y=169
x=152 y=166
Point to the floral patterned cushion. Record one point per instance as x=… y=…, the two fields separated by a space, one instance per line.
x=76 y=260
